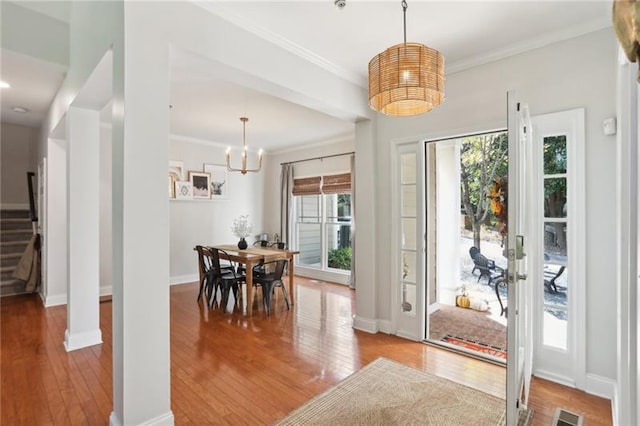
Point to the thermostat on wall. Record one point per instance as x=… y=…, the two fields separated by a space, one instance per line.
x=609 y=126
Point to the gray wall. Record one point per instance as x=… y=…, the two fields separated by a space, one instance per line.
x=208 y=222
x=19 y=156
x=577 y=73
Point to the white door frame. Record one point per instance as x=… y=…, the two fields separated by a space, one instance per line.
x=409 y=325
x=566 y=367
x=626 y=401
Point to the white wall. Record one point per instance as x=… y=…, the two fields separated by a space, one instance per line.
x=106 y=245
x=208 y=222
x=578 y=73
x=18 y=152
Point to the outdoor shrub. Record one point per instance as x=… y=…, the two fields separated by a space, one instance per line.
x=340 y=258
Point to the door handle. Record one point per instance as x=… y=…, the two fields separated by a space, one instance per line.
x=522 y=276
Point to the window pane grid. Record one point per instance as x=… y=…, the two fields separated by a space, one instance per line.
x=555 y=189
x=323 y=234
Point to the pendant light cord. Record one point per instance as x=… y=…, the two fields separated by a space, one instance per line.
x=404 y=11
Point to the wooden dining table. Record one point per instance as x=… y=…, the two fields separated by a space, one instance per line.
x=250 y=257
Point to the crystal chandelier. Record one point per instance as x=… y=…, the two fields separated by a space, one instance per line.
x=244 y=169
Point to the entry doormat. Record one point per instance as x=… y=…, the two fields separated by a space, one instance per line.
x=386 y=393
x=476 y=346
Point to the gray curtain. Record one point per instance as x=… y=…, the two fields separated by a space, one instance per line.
x=352 y=281
x=286 y=207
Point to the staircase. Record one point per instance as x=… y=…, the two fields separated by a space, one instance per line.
x=15 y=232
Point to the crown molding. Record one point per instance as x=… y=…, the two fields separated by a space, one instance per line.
x=282 y=42
x=536 y=43
x=188 y=139
x=347 y=137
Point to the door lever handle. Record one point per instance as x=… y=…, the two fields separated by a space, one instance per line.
x=522 y=276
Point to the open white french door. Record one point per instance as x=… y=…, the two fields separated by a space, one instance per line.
x=519 y=325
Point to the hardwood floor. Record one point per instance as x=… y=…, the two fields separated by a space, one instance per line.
x=229 y=369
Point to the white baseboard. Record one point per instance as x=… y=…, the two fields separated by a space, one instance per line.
x=114 y=420
x=594 y=384
x=14 y=206
x=55 y=300
x=565 y=381
x=600 y=386
x=408 y=336
x=166 y=419
x=61 y=299
x=384 y=326
x=73 y=341
x=614 y=406
x=365 y=324
x=183 y=279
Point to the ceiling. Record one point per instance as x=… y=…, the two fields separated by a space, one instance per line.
x=207 y=106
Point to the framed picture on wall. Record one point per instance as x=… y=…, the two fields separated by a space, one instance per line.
x=200 y=183
x=184 y=190
x=219 y=184
x=176 y=174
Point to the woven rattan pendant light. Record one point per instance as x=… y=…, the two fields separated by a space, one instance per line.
x=406 y=79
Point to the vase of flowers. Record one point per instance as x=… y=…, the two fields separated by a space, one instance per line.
x=242 y=229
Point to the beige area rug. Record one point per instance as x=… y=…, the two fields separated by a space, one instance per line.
x=388 y=393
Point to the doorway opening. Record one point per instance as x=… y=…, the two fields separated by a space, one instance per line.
x=465 y=192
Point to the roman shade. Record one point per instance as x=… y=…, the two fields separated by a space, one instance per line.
x=336 y=184
x=307 y=186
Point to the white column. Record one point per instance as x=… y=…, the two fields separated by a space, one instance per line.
x=366 y=286
x=83 y=314
x=140 y=224
x=448 y=219
x=55 y=239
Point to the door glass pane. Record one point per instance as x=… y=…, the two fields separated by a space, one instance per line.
x=339 y=246
x=555 y=242
x=408 y=233
x=309 y=244
x=555 y=154
x=555 y=285
x=409 y=200
x=408 y=298
x=555 y=197
x=555 y=328
x=409 y=266
x=408 y=168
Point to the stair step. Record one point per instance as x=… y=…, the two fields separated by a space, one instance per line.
x=6 y=272
x=10 y=259
x=9 y=247
x=14 y=214
x=12 y=287
x=15 y=224
x=15 y=235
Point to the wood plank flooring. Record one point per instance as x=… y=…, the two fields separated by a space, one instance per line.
x=228 y=369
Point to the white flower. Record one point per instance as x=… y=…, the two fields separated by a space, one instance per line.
x=241 y=227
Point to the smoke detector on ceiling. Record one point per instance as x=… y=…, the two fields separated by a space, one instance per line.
x=19 y=109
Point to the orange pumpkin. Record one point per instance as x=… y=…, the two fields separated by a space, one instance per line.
x=463 y=301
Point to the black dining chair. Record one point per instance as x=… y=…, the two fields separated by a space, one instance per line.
x=268 y=275
x=208 y=281
x=228 y=279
